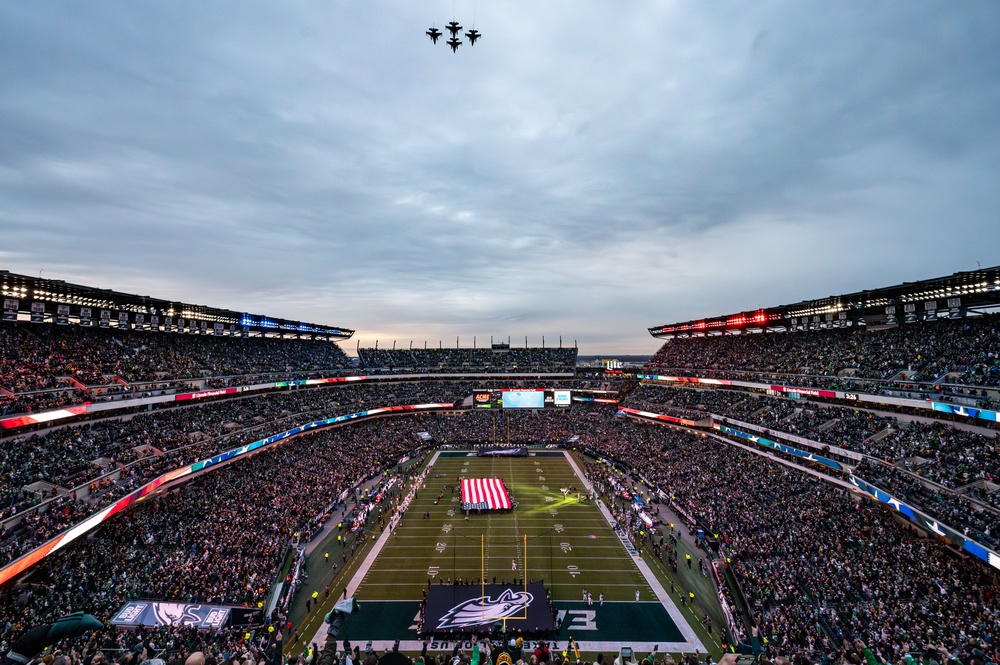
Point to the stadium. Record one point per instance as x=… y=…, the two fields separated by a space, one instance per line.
x=451 y=333
x=811 y=481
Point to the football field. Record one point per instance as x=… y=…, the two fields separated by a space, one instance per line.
x=554 y=535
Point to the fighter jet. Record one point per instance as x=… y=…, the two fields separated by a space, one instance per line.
x=454 y=28
x=473 y=35
x=434 y=33
x=454 y=44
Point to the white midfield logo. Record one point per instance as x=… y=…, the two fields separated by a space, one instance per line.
x=476 y=611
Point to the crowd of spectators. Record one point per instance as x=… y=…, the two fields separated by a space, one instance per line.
x=44 y=367
x=816 y=566
x=821 y=568
x=938 y=451
x=481 y=360
x=698 y=402
x=39 y=363
x=975 y=521
x=933 y=451
x=219 y=539
x=926 y=351
x=145 y=445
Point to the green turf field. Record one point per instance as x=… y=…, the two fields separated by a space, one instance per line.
x=565 y=541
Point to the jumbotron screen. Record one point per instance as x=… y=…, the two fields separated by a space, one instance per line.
x=521 y=398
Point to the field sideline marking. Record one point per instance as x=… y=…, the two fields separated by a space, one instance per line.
x=466 y=570
x=548 y=584
x=647 y=572
x=362 y=572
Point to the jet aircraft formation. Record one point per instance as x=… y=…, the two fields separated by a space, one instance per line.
x=455 y=29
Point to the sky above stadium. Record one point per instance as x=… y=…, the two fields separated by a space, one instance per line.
x=587 y=169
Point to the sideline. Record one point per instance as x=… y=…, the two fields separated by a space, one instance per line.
x=319 y=637
x=665 y=600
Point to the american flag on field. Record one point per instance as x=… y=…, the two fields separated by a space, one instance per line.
x=485 y=493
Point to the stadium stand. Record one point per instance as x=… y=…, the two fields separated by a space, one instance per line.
x=506 y=359
x=929 y=464
x=938 y=451
x=817 y=567
x=787 y=601
x=55 y=477
x=220 y=538
x=957 y=357
x=46 y=366
x=819 y=573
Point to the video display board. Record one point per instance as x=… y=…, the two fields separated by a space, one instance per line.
x=521 y=398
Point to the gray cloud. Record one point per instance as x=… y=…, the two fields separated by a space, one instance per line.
x=587 y=169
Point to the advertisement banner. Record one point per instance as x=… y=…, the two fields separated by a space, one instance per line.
x=218 y=392
x=190 y=615
x=482 y=399
x=704 y=422
x=140 y=321
x=774 y=445
x=456 y=608
x=811 y=392
x=62 y=315
x=123 y=320
x=168 y=324
x=927 y=522
x=217 y=329
x=85 y=316
x=154 y=323
x=105 y=318
x=562 y=397
x=965 y=411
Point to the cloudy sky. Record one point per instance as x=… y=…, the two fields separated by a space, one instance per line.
x=587 y=169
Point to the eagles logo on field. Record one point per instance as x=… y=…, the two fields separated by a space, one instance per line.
x=476 y=611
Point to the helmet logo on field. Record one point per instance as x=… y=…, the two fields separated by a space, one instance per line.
x=476 y=611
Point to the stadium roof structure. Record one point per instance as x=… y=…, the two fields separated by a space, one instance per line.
x=49 y=300
x=954 y=296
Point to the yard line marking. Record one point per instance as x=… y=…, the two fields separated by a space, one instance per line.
x=362 y=572
x=647 y=572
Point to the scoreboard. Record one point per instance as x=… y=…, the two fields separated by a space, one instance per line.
x=521 y=398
